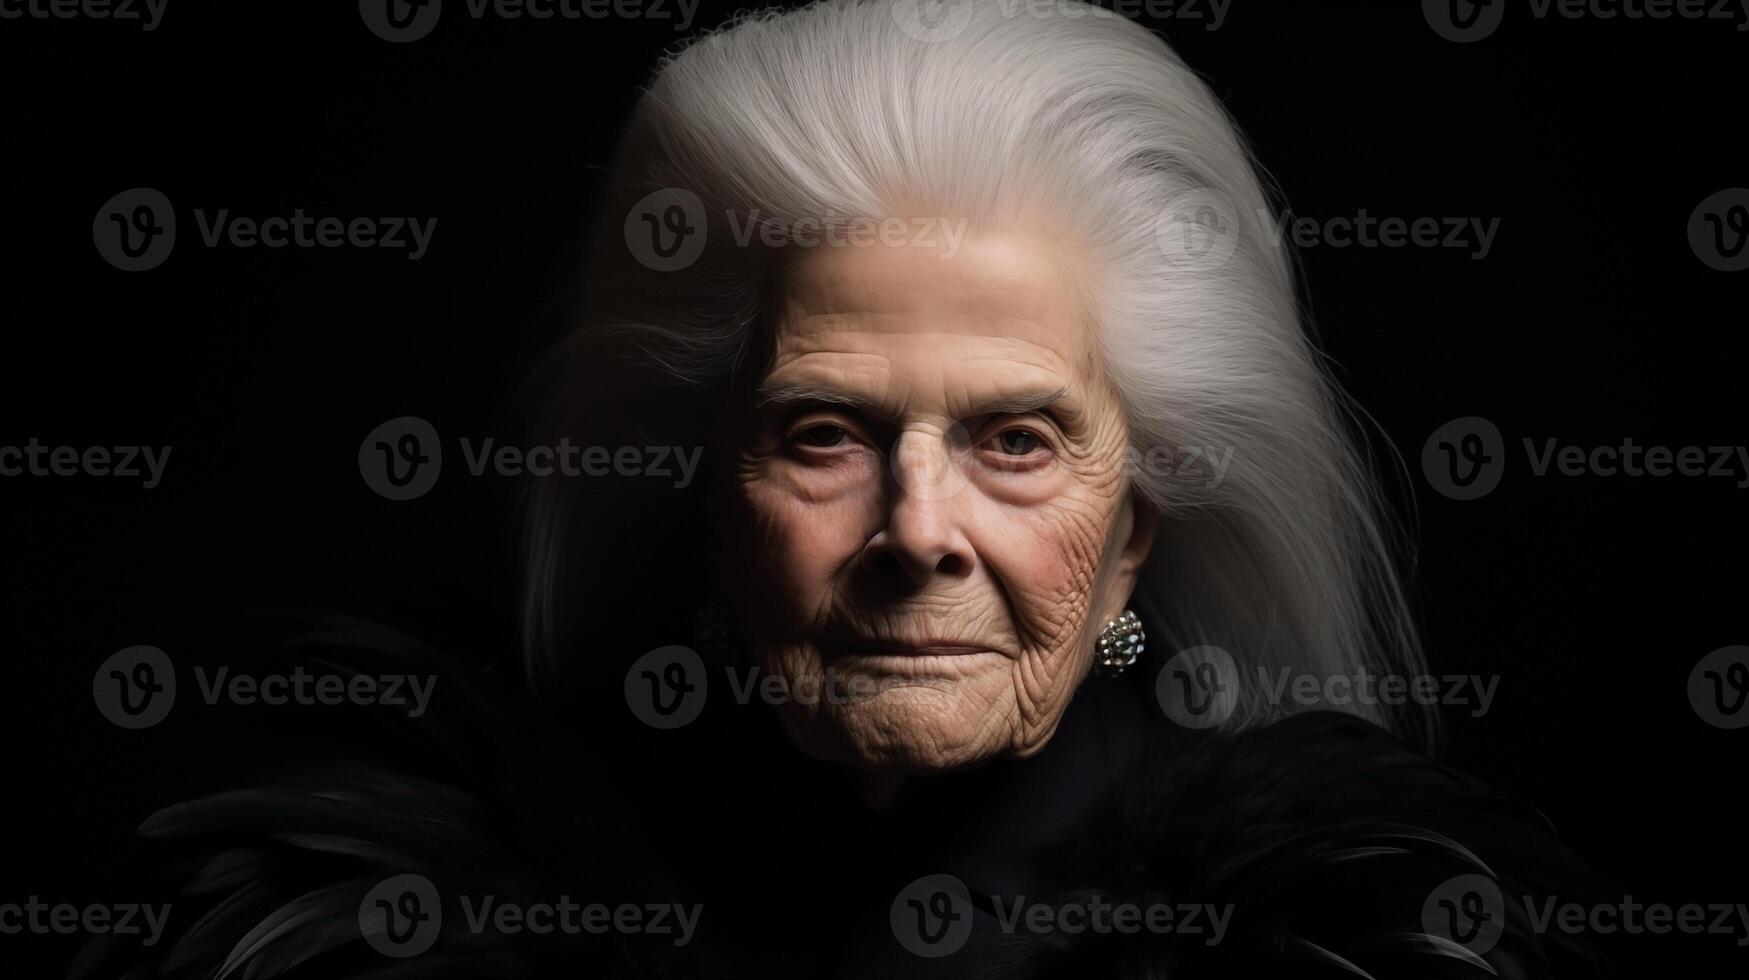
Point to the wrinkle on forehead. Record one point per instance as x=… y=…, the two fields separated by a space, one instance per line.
x=999 y=310
x=1028 y=278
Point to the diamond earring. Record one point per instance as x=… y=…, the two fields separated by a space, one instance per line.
x=1120 y=645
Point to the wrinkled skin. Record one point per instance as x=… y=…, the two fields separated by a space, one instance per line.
x=910 y=522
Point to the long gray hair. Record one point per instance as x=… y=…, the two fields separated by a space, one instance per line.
x=1273 y=545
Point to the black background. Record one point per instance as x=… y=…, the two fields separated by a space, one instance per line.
x=1591 y=320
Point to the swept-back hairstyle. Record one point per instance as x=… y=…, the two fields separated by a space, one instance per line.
x=1064 y=117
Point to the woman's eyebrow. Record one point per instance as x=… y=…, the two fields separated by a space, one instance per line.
x=1025 y=401
x=779 y=394
x=1018 y=402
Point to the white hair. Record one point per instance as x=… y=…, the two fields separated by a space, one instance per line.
x=1001 y=114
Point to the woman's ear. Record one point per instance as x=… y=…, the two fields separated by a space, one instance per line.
x=1144 y=524
x=1133 y=536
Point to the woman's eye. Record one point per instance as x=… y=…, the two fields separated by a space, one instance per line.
x=822 y=436
x=1016 y=442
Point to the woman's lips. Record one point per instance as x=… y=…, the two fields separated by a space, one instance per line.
x=896 y=648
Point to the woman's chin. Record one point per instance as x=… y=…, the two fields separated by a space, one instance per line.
x=909 y=729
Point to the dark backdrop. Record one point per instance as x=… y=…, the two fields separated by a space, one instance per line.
x=1592 y=319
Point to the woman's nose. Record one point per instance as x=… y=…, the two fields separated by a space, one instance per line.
x=924 y=535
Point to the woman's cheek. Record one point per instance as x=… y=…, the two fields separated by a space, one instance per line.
x=813 y=518
x=1047 y=556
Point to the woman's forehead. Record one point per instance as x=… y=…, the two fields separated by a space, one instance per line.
x=992 y=297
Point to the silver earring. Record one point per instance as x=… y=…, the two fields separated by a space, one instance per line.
x=1120 y=645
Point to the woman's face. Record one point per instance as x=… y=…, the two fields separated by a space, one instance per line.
x=931 y=516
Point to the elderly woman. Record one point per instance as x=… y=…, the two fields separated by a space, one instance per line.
x=998 y=637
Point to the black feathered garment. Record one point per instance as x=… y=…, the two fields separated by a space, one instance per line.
x=1320 y=839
